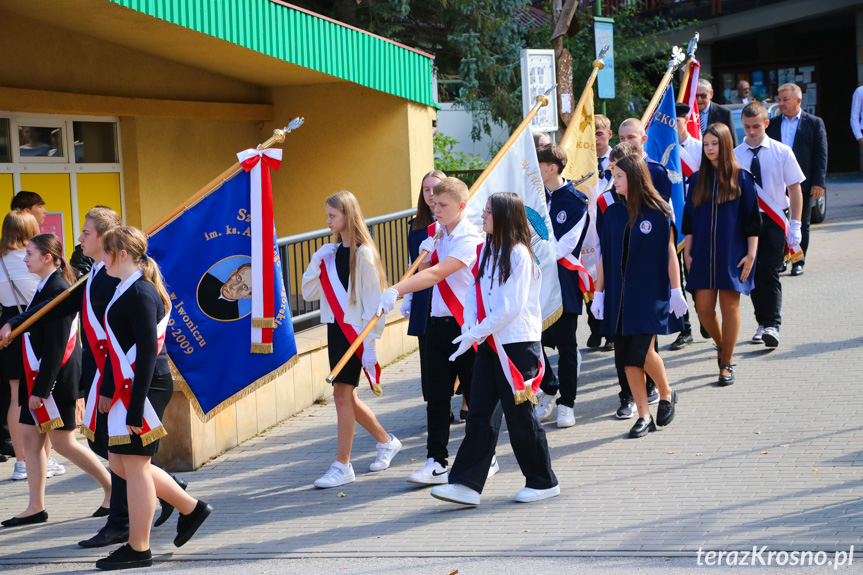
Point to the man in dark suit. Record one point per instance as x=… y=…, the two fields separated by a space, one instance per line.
x=711 y=113
x=220 y=300
x=806 y=136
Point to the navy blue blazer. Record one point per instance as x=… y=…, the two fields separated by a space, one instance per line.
x=421 y=300
x=568 y=206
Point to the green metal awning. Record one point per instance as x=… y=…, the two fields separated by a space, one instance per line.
x=294 y=35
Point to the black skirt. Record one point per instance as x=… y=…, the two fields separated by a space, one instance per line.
x=65 y=407
x=337 y=345
x=12 y=357
x=159 y=394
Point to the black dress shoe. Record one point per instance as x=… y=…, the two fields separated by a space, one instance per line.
x=167 y=508
x=462 y=415
x=665 y=411
x=594 y=341
x=726 y=380
x=682 y=341
x=102 y=512
x=106 y=536
x=783 y=268
x=609 y=344
x=704 y=333
x=641 y=427
x=797 y=269
x=40 y=517
x=125 y=558
x=188 y=524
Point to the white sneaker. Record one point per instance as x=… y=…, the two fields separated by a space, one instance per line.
x=544 y=405
x=20 y=471
x=771 y=337
x=386 y=452
x=432 y=473
x=338 y=474
x=54 y=468
x=565 y=416
x=529 y=495
x=494 y=468
x=759 y=333
x=455 y=493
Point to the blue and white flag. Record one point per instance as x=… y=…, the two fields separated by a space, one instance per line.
x=206 y=258
x=663 y=146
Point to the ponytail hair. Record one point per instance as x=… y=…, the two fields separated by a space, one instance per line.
x=134 y=243
x=50 y=245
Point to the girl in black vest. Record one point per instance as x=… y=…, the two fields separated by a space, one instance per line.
x=47 y=395
x=136 y=316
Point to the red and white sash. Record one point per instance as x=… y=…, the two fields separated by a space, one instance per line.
x=337 y=298
x=98 y=342
x=523 y=390
x=259 y=163
x=46 y=417
x=456 y=308
x=570 y=262
x=123 y=364
x=605 y=199
x=793 y=253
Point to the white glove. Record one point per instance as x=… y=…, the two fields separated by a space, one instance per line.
x=324 y=251
x=387 y=301
x=370 y=358
x=427 y=245
x=465 y=341
x=795 y=234
x=597 y=308
x=678 y=302
x=406 y=305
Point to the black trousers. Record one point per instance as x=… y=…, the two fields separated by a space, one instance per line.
x=593 y=323
x=438 y=381
x=767 y=293
x=561 y=335
x=491 y=397
x=805 y=222
x=687 y=326
x=118 y=518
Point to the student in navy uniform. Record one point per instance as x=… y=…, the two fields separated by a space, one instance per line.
x=721 y=223
x=507 y=288
x=568 y=209
x=589 y=251
x=606 y=199
x=637 y=242
x=55 y=366
x=136 y=317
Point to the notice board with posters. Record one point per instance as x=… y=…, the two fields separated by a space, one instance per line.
x=764 y=82
x=538 y=74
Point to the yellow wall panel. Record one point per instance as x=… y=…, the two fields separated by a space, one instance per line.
x=98 y=190
x=7 y=190
x=55 y=190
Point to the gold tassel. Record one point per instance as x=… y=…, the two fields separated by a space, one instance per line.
x=119 y=440
x=377 y=389
x=264 y=322
x=86 y=432
x=520 y=396
x=153 y=435
x=262 y=347
x=552 y=318
x=798 y=257
x=531 y=396
x=248 y=390
x=55 y=423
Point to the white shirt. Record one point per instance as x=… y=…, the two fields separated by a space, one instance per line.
x=857 y=113
x=24 y=280
x=690 y=152
x=460 y=244
x=513 y=311
x=779 y=169
x=789 y=129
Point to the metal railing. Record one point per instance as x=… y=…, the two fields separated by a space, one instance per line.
x=390 y=233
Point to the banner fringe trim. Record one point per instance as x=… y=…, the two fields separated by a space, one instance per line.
x=262 y=347
x=547 y=323
x=264 y=322
x=248 y=390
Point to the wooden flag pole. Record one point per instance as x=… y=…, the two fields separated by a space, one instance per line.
x=541 y=101
x=598 y=65
x=687 y=71
x=277 y=138
x=676 y=59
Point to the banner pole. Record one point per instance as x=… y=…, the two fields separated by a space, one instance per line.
x=677 y=58
x=541 y=101
x=277 y=138
x=687 y=72
x=598 y=65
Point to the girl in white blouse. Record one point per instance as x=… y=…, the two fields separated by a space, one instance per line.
x=502 y=315
x=348 y=278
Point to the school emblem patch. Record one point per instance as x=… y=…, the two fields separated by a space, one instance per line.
x=561 y=217
x=646 y=227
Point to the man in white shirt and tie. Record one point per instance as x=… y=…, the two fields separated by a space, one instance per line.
x=589 y=249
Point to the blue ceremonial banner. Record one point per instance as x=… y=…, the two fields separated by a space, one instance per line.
x=663 y=146
x=205 y=256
